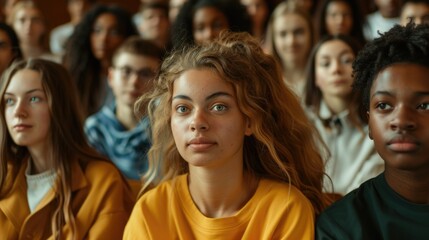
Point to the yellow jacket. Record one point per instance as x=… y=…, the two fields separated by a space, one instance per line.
x=101 y=204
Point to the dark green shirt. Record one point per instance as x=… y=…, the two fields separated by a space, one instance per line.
x=374 y=211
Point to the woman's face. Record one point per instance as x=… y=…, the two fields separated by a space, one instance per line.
x=333 y=63
x=29 y=26
x=292 y=38
x=258 y=10
x=27 y=110
x=105 y=37
x=6 y=53
x=339 y=18
x=208 y=22
x=207 y=124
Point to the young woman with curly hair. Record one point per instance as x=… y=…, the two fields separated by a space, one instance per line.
x=233 y=147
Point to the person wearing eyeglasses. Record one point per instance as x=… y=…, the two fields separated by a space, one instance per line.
x=115 y=131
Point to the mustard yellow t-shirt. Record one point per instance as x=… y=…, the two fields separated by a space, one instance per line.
x=276 y=211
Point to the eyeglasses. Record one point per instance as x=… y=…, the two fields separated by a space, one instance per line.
x=143 y=74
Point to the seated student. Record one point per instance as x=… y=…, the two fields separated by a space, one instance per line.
x=60 y=34
x=332 y=106
x=290 y=39
x=259 y=11
x=234 y=157
x=201 y=21
x=392 y=72
x=416 y=11
x=89 y=53
x=174 y=8
x=30 y=25
x=155 y=24
x=383 y=19
x=52 y=184
x=115 y=131
x=335 y=17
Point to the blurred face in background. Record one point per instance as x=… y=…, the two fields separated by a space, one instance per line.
x=389 y=8
x=174 y=8
x=334 y=69
x=415 y=12
x=6 y=53
x=29 y=25
x=77 y=9
x=155 y=24
x=207 y=23
x=292 y=38
x=258 y=11
x=105 y=37
x=339 y=18
x=131 y=76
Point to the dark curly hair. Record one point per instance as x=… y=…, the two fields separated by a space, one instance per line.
x=79 y=59
x=182 y=29
x=401 y=44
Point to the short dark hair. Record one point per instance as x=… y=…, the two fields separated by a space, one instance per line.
x=401 y=44
x=141 y=47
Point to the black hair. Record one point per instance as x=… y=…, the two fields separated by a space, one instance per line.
x=401 y=44
x=14 y=41
x=79 y=59
x=182 y=29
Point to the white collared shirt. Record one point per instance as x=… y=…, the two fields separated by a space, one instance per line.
x=353 y=158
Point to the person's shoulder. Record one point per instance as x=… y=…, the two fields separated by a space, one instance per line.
x=62 y=29
x=100 y=118
x=162 y=191
x=157 y=202
x=282 y=192
x=350 y=217
x=352 y=203
x=102 y=170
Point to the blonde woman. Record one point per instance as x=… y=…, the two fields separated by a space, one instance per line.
x=289 y=40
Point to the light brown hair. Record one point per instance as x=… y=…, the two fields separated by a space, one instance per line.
x=282 y=146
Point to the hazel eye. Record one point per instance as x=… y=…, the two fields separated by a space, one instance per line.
x=219 y=107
